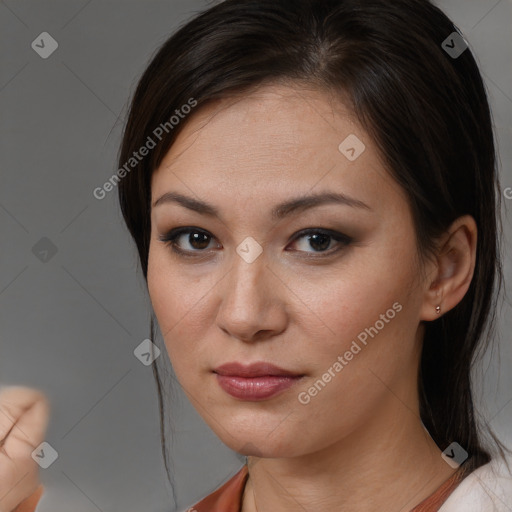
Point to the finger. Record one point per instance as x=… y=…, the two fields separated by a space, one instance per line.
x=24 y=416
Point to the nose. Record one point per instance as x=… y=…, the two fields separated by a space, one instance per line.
x=252 y=307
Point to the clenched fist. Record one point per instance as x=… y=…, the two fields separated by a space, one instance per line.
x=24 y=416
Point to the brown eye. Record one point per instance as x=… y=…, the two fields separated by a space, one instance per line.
x=198 y=240
x=321 y=240
x=187 y=240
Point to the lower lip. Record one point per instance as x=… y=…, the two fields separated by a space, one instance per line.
x=255 y=388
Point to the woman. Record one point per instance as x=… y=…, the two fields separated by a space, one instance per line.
x=311 y=187
x=317 y=226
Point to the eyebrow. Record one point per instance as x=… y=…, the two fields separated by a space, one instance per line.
x=280 y=211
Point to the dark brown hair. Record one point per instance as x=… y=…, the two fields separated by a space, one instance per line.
x=426 y=110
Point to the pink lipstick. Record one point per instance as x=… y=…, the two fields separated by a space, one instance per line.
x=258 y=381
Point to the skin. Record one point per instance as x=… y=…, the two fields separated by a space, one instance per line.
x=359 y=444
x=24 y=417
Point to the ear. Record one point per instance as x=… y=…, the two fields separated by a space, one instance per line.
x=452 y=270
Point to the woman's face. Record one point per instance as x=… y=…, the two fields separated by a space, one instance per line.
x=328 y=290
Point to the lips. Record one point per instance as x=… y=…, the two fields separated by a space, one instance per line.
x=260 y=369
x=258 y=381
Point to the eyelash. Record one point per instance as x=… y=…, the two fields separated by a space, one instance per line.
x=171 y=237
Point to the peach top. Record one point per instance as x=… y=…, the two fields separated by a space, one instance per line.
x=228 y=497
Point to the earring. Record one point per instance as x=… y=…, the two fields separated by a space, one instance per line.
x=438 y=309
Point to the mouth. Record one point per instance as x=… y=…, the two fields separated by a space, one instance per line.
x=255 y=382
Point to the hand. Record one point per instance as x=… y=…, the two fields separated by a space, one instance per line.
x=24 y=416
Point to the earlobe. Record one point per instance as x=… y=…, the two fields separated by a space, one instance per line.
x=455 y=265
x=433 y=304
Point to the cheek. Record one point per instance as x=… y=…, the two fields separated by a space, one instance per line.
x=365 y=331
x=179 y=302
x=345 y=304
x=166 y=291
x=173 y=294
x=162 y=290
x=353 y=370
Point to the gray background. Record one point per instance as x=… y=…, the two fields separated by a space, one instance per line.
x=69 y=325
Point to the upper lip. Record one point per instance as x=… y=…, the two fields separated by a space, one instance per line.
x=259 y=369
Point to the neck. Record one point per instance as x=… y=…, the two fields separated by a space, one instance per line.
x=389 y=464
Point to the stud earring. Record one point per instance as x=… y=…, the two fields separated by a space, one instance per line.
x=438 y=309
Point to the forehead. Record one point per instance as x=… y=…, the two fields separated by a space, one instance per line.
x=275 y=140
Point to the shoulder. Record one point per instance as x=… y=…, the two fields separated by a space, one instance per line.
x=487 y=489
